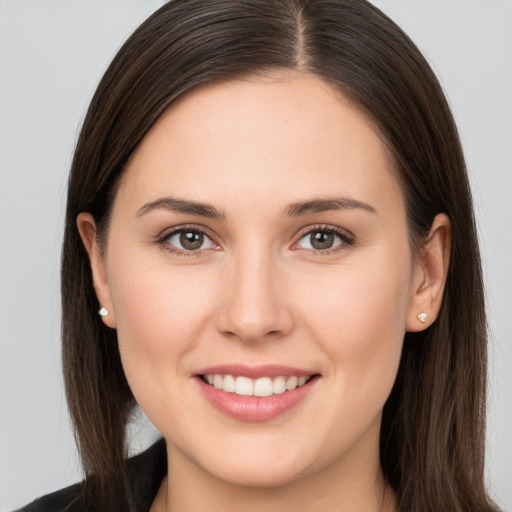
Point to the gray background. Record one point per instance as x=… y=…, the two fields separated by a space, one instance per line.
x=52 y=54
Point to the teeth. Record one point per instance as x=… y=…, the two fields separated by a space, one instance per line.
x=279 y=385
x=291 y=383
x=244 y=386
x=302 y=381
x=264 y=386
x=218 y=381
x=229 y=384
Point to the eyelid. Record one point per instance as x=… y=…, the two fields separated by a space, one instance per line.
x=348 y=239
x=163 y=237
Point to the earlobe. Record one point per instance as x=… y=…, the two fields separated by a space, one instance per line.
x=87 y=229
x=429 y=279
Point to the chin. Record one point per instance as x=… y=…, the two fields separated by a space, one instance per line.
x=261 y=467
x=263 y=476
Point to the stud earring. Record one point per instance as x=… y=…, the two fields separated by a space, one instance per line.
x=103 y=312
x=422 y=317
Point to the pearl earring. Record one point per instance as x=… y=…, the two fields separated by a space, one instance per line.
x=103 y=312
x=422 y=317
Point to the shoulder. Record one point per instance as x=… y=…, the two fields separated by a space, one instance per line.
x=146 y=471
x=65 y=500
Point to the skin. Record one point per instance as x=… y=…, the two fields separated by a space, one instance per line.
x=258 y=293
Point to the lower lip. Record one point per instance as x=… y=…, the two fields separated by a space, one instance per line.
x=255 y=408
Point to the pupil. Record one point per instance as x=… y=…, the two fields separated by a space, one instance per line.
x=191 y=240
x=322 y=240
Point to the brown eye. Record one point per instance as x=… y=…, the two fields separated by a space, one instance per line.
x=324 y=240
x=188 y=240
x=321 y=240
x=191 y=240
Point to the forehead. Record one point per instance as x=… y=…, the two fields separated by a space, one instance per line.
x=283 y=136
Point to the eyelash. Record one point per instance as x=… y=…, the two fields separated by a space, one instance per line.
x=347 y=240
x=163 y=240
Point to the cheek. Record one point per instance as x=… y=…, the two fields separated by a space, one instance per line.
x=160 y=312
x=358 y=318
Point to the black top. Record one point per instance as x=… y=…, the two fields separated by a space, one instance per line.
x=146 y=471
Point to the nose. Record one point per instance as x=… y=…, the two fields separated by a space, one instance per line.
x=253 y=306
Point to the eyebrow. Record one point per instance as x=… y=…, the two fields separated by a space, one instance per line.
x=182 y=206
x=324 y=205
x=293 y=210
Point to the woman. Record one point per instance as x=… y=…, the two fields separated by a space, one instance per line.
x=269 y=208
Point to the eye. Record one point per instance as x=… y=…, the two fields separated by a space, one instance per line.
x=188 y=240
x=324 y=240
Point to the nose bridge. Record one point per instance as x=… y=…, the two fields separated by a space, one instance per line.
x=254 y=306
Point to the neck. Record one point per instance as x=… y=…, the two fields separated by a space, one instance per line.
x=362 y=488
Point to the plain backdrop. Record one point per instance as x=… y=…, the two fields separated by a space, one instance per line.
x=52 y=55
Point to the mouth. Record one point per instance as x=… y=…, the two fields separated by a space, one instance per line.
x=260 y=387
x=255 y=394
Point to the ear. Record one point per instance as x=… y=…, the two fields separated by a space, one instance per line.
x=429 y=278
x=87 y=228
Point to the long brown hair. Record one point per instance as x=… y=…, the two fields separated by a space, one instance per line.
x=432 y=435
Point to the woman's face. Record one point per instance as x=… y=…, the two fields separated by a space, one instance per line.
x=259 y=236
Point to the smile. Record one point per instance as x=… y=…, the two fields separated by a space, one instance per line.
x=258 y=393
x=260 y=387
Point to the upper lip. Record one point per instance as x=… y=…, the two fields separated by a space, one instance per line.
x=255 y=372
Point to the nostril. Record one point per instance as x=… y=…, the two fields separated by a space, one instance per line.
x=252 y=317
x=252 y=335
